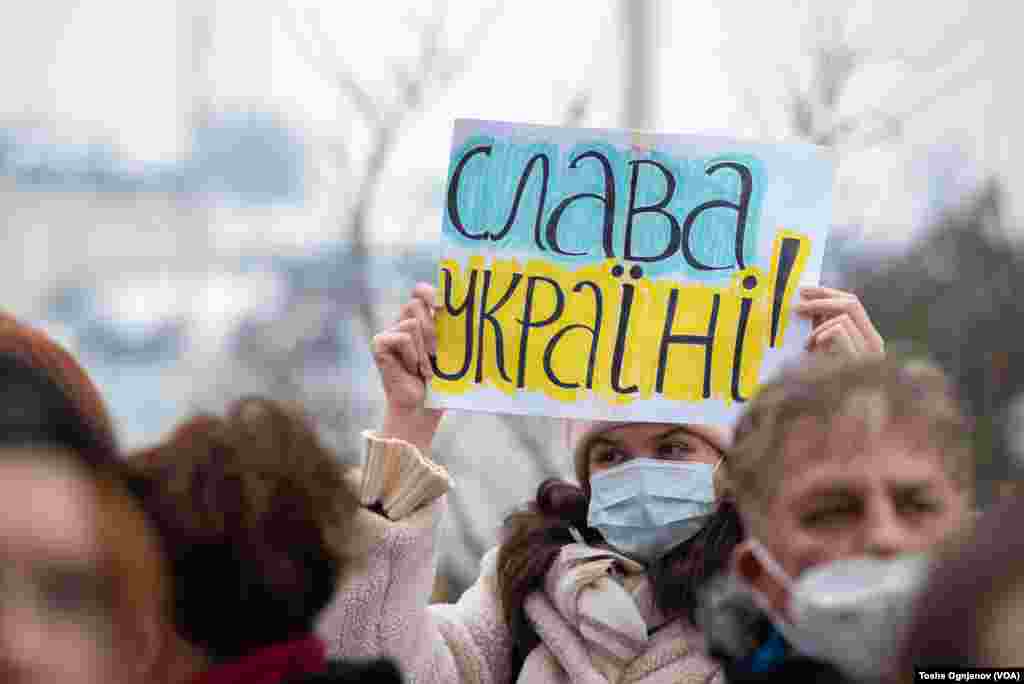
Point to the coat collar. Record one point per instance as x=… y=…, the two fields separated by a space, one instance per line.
x=271 y=665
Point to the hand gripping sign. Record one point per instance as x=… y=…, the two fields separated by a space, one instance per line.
x=609 y=274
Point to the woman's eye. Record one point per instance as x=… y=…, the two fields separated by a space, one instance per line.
x=678 y=451
x=609 y=456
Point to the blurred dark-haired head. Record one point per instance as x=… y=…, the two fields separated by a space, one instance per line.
x=36 y=349
x=246 y=505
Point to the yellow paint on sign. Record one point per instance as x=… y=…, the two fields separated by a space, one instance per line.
x=602 y=331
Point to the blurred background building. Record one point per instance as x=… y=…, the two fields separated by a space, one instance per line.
x=206 y=198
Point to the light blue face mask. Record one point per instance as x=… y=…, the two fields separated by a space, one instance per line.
x=646 y=506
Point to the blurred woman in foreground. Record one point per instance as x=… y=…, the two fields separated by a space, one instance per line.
x=81 y=575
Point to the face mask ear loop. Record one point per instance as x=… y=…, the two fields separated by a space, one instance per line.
x=770 y=564
x=775 y=570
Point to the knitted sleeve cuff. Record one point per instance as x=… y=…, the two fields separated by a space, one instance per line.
x=398 y=477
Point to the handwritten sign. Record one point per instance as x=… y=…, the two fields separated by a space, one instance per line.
x=610 y=274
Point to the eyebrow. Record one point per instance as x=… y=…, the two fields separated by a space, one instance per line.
x=676 y=430
x=909 y=488
x=601 y=439
x=690 y=433
x=833 y=491
x=845 y=491
x=608 y=439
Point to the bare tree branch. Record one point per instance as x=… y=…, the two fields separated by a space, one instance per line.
x=814 y=110
x=330 y=66
x=888 y=124
x=436 y=66
x=357 y=228
x=455 y=63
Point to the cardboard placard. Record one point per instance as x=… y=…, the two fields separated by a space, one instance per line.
x=616 y=275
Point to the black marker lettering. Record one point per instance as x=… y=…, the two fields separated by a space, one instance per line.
x=668 y=339
x=737 y=359
x=453 y=193
x=609 y=207
x=620 y=342
x=487 y=316
x=595 y=334
x=659 y=208
x=787 y=257
x=545 y=170
x=467 y=307
x=527 y=321
x=741 y=209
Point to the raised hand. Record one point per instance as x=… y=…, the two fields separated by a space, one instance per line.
x=841 y=324
x=402 y=354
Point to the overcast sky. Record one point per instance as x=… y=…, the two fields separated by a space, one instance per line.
x=122 y=70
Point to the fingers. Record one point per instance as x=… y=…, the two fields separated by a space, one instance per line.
x=413 y=328
x=836 y=340
x=397 y=347
x=427 y=293
x=818 y=292
x=824 y=304
x=827 y=333
x=403 y=352
x=844 y=321
x=418 y=310
x=422 y=307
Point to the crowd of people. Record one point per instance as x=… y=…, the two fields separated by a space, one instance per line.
x=831 y=535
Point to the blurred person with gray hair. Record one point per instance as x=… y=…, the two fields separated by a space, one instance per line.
x=846 y=476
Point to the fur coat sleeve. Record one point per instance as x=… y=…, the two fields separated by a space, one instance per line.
x=382 y=606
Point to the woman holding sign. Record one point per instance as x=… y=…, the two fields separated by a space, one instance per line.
x=582 y=587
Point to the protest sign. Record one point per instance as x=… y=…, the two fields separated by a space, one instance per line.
x=613 y=274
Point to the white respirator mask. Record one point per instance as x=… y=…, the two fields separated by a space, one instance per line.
x=851 y=612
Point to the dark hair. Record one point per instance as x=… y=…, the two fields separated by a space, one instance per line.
x=533 y=537
x=955 y=618
x=34 y=348
x=36 y=411
x=246 y=505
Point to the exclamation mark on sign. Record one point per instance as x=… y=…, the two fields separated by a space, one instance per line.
x=787 y=254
